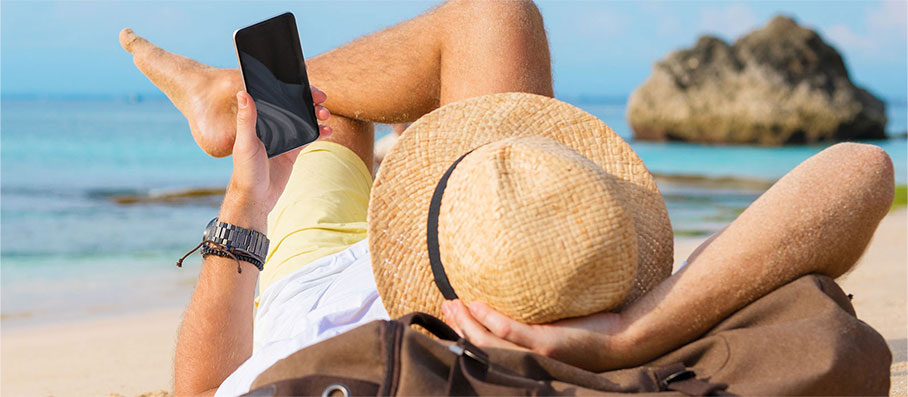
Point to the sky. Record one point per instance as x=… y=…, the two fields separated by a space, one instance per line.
x=599 y=49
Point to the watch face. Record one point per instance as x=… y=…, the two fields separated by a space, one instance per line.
x=209 y=229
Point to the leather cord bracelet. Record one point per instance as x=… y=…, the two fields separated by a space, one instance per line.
x=231 y=241
x=231 y=252
x=220 y=250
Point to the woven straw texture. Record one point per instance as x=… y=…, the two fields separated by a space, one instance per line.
x=499 y=232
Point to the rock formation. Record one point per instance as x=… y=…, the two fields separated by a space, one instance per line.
x=780 y=84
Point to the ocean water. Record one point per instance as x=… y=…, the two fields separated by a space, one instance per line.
x=63 y=239
x=67 y=250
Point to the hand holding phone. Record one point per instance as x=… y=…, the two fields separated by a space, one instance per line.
x=257 y=181
x=274 y=73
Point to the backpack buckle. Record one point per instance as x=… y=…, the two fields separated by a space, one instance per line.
x=467 y=349
x=678 y=376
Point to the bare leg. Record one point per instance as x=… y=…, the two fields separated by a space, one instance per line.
x=817 y=219
x=461 y=49
x=204 y=94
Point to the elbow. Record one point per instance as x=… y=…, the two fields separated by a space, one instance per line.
x=867 y=184
x=867 y=171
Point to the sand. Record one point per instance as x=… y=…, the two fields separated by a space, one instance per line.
x=132 y=354
x=129 y=355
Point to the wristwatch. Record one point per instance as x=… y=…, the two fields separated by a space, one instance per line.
x=247 y=245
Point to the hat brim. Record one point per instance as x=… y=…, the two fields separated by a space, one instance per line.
x=406 y=180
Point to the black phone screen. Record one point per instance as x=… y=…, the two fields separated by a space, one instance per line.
x=271 y=61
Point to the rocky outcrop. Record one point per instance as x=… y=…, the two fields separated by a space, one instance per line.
x=780 y=84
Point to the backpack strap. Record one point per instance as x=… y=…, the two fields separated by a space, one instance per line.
x=430 y=323
x=472 y=372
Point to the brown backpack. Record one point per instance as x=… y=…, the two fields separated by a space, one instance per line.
x=801 y=339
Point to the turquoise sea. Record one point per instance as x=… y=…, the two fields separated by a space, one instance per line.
x=69 y=251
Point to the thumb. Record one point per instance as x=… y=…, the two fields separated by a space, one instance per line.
x=246 y=141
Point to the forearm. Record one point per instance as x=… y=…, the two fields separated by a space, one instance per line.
x=817 y=219
x=216 y=334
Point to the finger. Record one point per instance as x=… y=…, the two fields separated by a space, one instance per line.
x=504 y=327
x=324 y=131
x=322 y=113
x=473 y=331
x=318 y=96
x=449 y=317
x=469 y=327
x=246 y=139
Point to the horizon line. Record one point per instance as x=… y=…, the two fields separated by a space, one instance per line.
x=608 y=98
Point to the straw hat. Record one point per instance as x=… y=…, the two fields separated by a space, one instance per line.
x=547 y=213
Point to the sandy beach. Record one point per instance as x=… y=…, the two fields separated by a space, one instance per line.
x=132 y=354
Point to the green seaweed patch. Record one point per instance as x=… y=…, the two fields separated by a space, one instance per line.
x=723 y=214
x=13 y=316
x=690 y=233
x=901 y=197
x=177 y=196
x=723 y=182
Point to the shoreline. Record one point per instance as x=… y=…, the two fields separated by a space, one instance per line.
x=132 y=354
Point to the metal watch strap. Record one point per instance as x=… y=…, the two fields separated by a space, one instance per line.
x=248 y=245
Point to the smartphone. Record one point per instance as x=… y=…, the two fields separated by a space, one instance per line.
x=274 y=73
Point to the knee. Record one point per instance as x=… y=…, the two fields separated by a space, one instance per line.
x=520 y=16
x=867 y=170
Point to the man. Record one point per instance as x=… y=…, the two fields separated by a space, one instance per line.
x=817 y=219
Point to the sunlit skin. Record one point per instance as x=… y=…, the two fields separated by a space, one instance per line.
x=204 y=94
x=817 y=219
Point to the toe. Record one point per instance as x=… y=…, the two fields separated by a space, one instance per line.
x=128 y=39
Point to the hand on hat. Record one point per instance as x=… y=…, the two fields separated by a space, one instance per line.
x=258 y=181
x=595 y=342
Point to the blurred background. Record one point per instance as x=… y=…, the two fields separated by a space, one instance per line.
x=103 y=187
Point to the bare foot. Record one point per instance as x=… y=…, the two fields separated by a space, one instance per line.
x=205 y=95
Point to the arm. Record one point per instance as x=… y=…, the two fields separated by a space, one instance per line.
x=216 y=334
x=817 y=219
